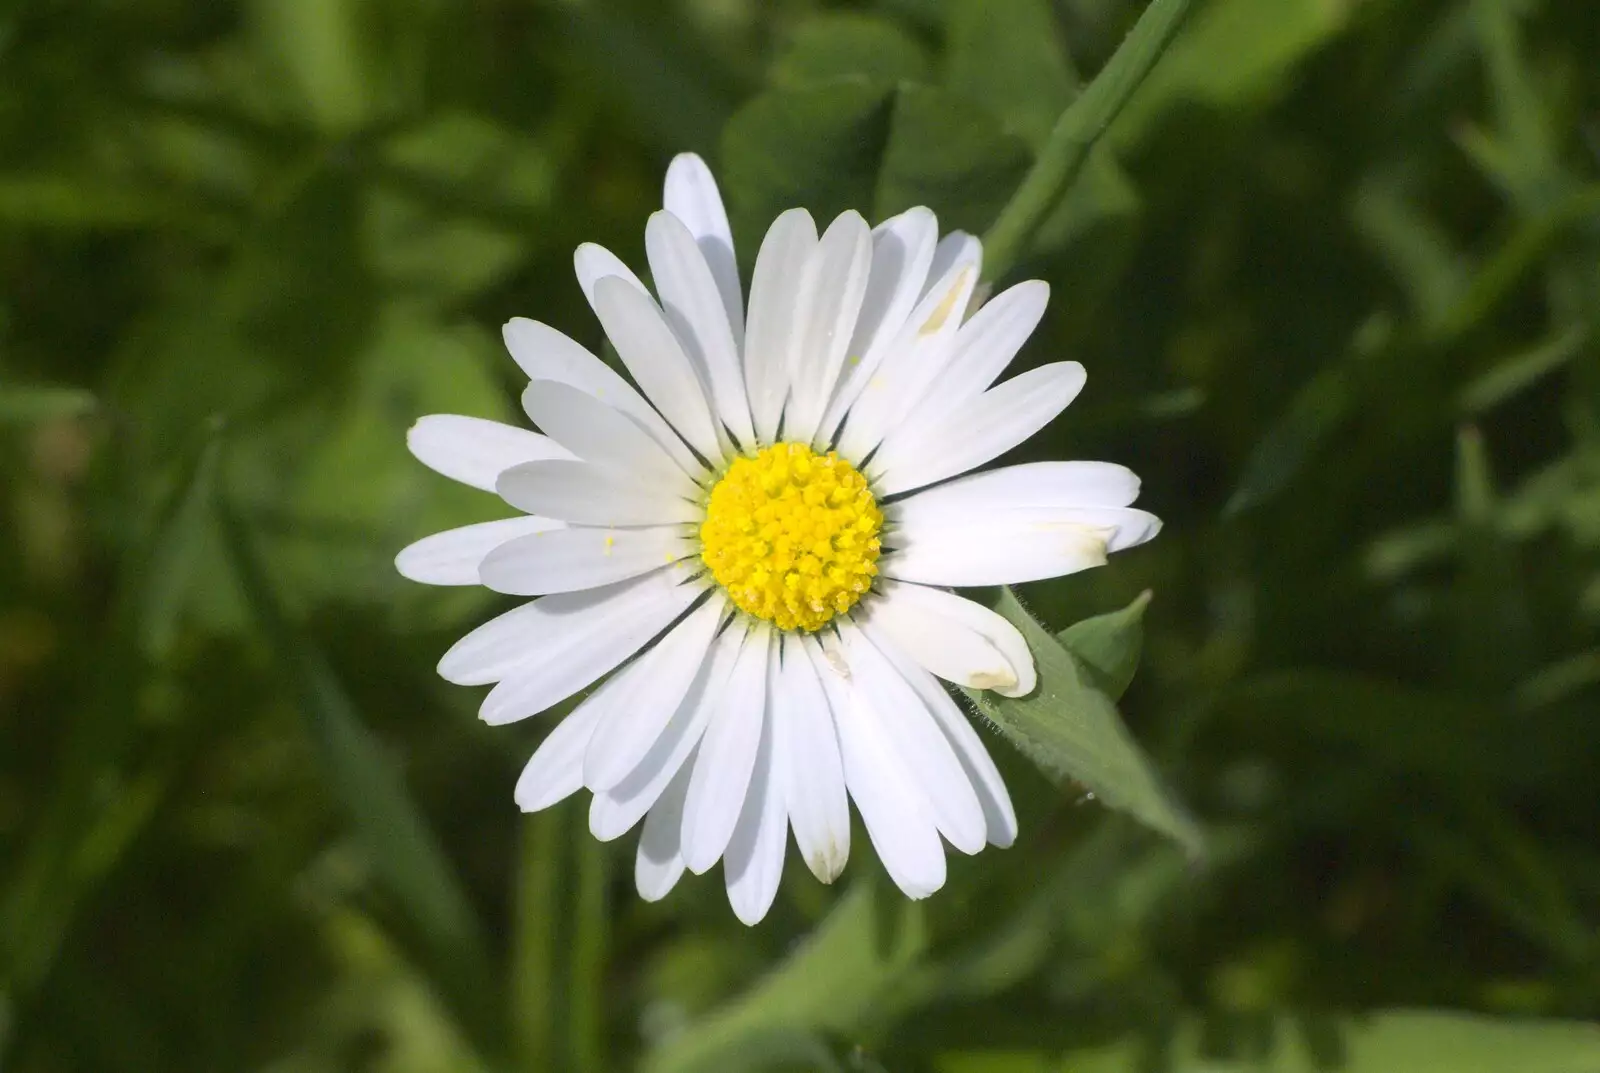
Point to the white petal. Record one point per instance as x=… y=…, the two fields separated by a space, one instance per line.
x=999 y=816
x=902 y=250
x=649 y=693
x=597 y=433
x=831 y=291
x=806 y=746
x=927 y=755
x=955 y=248
x=604 y=619
x=774 y=291
x=653 y=356
x=690 y=193
x=657 y=866
x=1032 y=486
x=984 y=346
x=754 y=863
x=694 y=308
x=958 y=640
x=1009 y=547
x=615 y=811
x=586 y=494
x=546 y=354
x=897 y=817
x=555 y=771
x=594 y=263
x=727 y=756
x=452 y=557
x=999 y=419
x=566 y=560
x=475 y=451
x=915 y=357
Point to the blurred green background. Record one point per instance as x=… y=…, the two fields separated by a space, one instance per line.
x=1335 y=275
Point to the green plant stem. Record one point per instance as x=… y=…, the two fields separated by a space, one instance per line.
x=537 y=1009
x=1076 y=133
x=587 y=996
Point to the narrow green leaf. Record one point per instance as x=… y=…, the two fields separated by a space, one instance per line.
x=75 y=841
x=1560 y=681
x=364 y=779
x=318 y=47
x=1236 y=54
x=1494 y=626
x=537 y=992
x=1520 y=371
x=1316 y=410
x=587 y=1003
x=656 y=68
x=1529 y=164
x=1475 y=495
x=1074 y=733
x=1076 y=132
x=1522 y=251
x=1417 y=251
x=829 y=983
x=1007 y=57
x=1438 y=1042
x=949 y=156
x=22 y=404
x=75 y=203
x=1095 y=217
x=819 y=147
x=849 y=44
x=1107 y=646
x=1394 y=1041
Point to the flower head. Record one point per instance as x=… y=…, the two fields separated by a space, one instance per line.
x=750 y=544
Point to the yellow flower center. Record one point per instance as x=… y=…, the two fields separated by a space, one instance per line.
x=792 y=535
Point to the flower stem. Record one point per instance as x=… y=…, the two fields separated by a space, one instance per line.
x=538 y=1005
x=587 y=1002
x=1076 y=133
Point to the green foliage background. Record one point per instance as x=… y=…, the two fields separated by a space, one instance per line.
x=1335 y=275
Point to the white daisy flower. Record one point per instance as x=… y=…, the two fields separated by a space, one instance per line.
x=750 y=546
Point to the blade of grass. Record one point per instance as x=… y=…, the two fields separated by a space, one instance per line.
x=372 y=792
x=538 y=1014
x=587 y=1001
x=1077 y=131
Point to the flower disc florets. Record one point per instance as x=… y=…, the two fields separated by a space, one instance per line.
x=792 y=535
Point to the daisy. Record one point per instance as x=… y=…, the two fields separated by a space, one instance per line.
x=750 y=544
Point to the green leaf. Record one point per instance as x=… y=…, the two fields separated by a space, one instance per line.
x=949 y=156
x=1315 y=412
x=818 y=147
x=456 y=204
x=320 y=50
x=1095 y=216
x=1522 y=370
x=537 y=990
x=829 y=983
x=847 y=44
x=1398 y=1041
x=76 y=203
x=1418 y=252
x=1523 y=156
x=22 y=404
x=1107 y=646
x=363 y=777
x=1496 y=645
x=1076 y=133
x=1073 y=732
x=1007 y=57
x=1235 y=55
x=654 y=65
